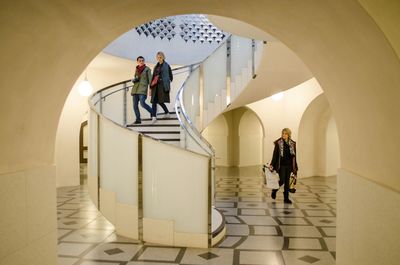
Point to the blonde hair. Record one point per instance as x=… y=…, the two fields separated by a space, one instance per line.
x=162 y=54
x=288 y=131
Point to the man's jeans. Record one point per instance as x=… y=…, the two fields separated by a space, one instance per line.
x=142 y=99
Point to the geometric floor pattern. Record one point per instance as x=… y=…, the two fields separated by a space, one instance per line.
x=259 y=230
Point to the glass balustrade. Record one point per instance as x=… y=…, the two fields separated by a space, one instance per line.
x=141 y=184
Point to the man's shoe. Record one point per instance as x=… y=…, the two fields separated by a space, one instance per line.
x=287 y=201
x=137 y=122
x=153 y=120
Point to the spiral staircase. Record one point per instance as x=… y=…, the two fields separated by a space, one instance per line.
x=155 y=182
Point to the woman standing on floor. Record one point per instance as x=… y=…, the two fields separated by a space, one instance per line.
x=161 y=85
x=141 y=83
x=284 y=162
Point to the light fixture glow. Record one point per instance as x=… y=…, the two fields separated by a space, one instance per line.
x=228 y=100
x=85 y=88
x=277 y=96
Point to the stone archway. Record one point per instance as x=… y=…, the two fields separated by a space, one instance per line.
x=48 y=44
x=251 y=137
x=318 y=143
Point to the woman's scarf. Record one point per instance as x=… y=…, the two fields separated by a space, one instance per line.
x=291 y=146
x=140 y=69
x=157 y=70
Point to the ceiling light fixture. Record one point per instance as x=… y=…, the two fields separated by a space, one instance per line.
x=277 y=96
x=85 y=88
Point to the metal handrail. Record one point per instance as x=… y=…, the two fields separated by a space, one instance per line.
x=180 y=108
x=98 y=92
x=129 y=80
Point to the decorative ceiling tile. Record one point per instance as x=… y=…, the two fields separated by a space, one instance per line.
x=196 y=28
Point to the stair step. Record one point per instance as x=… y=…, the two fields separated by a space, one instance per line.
x=162 y=119
x=152 y=125
x=171 y=140
x=160 y=132
x=149 y=129
x=160 y=122
x=164 y=136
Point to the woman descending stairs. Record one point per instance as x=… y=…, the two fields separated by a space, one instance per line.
x=166 y=129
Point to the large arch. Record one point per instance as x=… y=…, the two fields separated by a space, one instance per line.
x=251 y=137
x=47 y=44
x=217 y=134
x=318 y=143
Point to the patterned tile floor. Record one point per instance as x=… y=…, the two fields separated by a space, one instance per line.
x=259 y=229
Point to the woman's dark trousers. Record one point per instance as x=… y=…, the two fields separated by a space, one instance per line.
x=156 y=101
x=284 y=178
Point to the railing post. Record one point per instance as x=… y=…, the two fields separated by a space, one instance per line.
x=201 y=96
x=98 y=158
x=140 y=188
x=101 y=102
x=253 y=58
x=210 y=201
x=125 y=105
x=228 y=71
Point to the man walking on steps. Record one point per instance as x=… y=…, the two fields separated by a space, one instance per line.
x=141 y=83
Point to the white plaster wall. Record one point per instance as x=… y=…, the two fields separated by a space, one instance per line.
x=276 y=115
x=27 y=237
x=318 y=142
x=217 y=134
x=368 y=221
x=332 y=148
x=250 y=140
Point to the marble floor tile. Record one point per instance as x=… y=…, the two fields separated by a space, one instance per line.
x=67 y=261
x=308 y=257
x=260 y=230
x=261 y=257
x=159 y=254
x=300 y=231
x=228 y=211
x=113 y=251
x=253 y=212
x=329 y=231
x=149 y=263
x=258 y=220
x=322 y=221
x=305 y=244
x=318 y=213
x=63 y=232
x=230 y=241
x=251 y=205
x=232 y=220
x=251 y=199
x=237 y=230
x=72 y=249
x=312 y=206
x=262 y=243
x=69 y=223
x=293 y=221
x=330 y=243
x=286 y=212
x=217 y=256
x=224 y=205
x=265 y=230
x=97 y=263
x=88 y=235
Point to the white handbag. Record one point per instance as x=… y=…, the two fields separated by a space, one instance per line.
x=271 y=178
